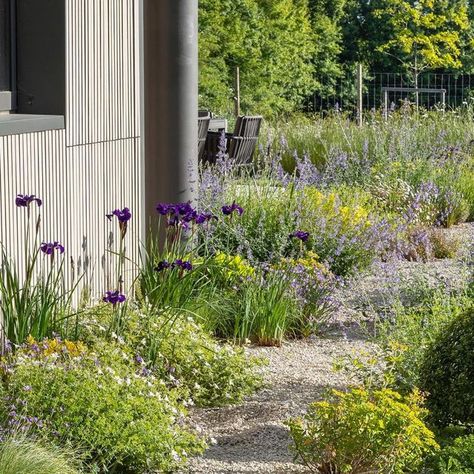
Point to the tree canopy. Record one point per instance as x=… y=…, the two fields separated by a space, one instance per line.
x=288 y=49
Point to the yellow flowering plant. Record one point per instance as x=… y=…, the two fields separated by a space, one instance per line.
x=361 y=431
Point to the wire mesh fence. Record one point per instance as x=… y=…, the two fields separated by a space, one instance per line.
x=458 y=91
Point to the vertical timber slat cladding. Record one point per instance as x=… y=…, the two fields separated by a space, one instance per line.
x=94 y=165
x=102 y=75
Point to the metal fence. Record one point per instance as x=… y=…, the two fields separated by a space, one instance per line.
x=341 y=95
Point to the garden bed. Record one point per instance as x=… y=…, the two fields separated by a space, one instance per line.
x=343 y=269
x=252 y=437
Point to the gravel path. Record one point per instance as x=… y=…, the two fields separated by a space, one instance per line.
x=252 y=437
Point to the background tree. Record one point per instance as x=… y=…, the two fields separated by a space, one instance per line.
x=422 y=34
x=326 y=18
x=393 y=35
x=272 y=43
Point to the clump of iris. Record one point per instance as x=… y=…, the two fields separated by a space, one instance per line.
x=183 y=215
x=178 y=263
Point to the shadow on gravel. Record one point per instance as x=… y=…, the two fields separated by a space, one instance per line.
x=262 y=443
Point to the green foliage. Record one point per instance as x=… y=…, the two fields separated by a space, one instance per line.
x=465 y=186
x=272 y=44
x=447 y=372
x=406 y=337
x=20 y=455
x=359 y=431
x=288 y=50
x=100 y=401
x=458 y=457
x=396 y=35
x=32 y=298
x=261 y=310
x=425 y=34
x=181 y=353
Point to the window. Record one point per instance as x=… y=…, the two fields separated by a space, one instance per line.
x=32 y=65
x=6 y=56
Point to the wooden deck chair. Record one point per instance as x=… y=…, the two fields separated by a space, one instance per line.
x=240 y=145
x=203 y=127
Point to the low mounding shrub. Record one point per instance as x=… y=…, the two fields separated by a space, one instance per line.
x=180 y=352
x=343 y=236
x=99 y=400
x=406 y=336
x=457 y=458
x=447 y=372
x=20 y=455
x=425 y=243
x=465 y=185
x=360 y=432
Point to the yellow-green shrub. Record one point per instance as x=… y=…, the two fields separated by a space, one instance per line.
x=360 y=431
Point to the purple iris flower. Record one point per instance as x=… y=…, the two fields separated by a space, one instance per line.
x=123 y=215
x=48 y=248
x=184 y=209
x=301 y=235
x=204 y=217
x=228 y=210
x=163 y=209
x=24 y=200
x=184 y=265
x=164 y=265
x=178 y=214
x=114 y=297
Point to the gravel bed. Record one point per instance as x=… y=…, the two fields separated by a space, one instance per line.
x=251 y=437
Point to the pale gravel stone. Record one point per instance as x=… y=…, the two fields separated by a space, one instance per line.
x=252 y=437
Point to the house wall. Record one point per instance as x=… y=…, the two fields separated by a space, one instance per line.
x=95 y=164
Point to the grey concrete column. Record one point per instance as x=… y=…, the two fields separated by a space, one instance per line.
x=170 y=95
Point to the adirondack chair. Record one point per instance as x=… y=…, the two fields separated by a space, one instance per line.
x=203 y=127
x=240 y=145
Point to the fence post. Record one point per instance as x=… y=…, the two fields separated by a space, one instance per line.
x=237 y=91
x=385 y=104
x=360 y=105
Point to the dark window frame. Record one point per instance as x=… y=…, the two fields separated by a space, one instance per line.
x=38 y=99
x=8 y=92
